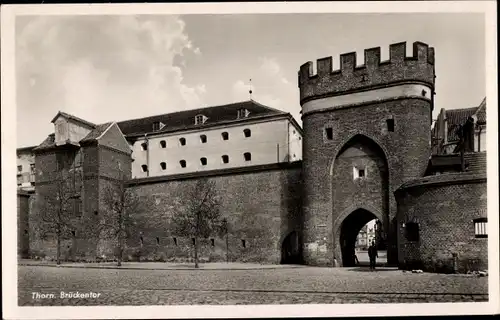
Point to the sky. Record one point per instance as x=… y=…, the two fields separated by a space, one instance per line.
x=113 y=68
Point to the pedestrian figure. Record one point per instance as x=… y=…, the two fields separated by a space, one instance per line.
x=356 y=261
x=373 y=255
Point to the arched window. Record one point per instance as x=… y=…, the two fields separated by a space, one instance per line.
x=203 y=138
x=203 y=161
x=183 y=163
x=225 y=158
x=248 y=156
x=225 y=136
x=163 y=165
x=247 y=133
x=163 y=144
x=182 y=141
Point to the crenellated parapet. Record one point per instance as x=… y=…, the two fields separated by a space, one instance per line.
x=373 y=74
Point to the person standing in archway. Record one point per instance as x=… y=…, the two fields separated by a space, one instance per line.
x=373 y=255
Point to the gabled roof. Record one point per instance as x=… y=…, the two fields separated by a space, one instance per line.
x=457 y=117
x=97 y=132
x=72 y=117
x=183 y=120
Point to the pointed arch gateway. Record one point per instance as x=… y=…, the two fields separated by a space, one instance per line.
x=360 y=193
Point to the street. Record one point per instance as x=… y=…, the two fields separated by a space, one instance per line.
x=42 y=286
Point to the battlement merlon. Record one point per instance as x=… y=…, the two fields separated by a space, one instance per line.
x=418 y=68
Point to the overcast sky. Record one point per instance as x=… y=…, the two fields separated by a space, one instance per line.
x=112 y=68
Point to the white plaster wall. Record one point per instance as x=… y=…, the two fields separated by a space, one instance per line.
x=71 y=130
x=295 y=143
x=267 y=138
x=25 y=159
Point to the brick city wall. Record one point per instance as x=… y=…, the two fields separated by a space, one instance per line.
x=444 y=207
x=406 y=151
x=262 y=207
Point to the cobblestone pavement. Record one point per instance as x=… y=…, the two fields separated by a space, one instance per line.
x=264 y=286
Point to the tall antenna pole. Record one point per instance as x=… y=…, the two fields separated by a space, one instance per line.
x=250 y=89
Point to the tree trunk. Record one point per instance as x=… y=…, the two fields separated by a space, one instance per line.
x=58 y=250
x=196 y=252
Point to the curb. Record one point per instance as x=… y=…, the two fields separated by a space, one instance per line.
x=155 y=269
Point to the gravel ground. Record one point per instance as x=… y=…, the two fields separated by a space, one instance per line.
x=263 y=286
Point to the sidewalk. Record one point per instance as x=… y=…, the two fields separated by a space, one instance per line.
x=157 y=265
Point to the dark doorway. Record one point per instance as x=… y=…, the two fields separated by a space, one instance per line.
x=290 y=249
x=350 y=229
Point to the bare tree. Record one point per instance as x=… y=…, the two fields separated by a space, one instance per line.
x=57 y=214
x=224 y=233
x=198 y=215
x=120 y=203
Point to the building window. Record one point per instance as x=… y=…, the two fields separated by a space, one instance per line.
x=141 y=239
x=248 y=156
x=247 y=133
x=73 y=233
x=200 y=119
x=96 y=212
x=182 y=141
x=144 y=168
x=390 y=125
x=158 y=240
x=19 y=168
x=225 y=136
x=193 y=241
x=212 y=242
x=203 y=138
x=183 y=163
x=329 y=133
x=225 y=159
x=203 y=161
x=412 y=231
x=481 y=228
x=175 y=241
x=359 y=172
x=243 y=113
x=243 y=243
x=163 y=165
x=144 y=146
x=163 y=144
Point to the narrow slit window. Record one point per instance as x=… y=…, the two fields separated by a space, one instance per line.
x=203 y=161
x=390 y=125
x=481 y=228
x=193 y=241
x=182 y=141
x=212 y=242
x=247 y=156
x=248 y=133
x=163 y=165
x=158 y=240
x=225 y=159
x=163 y=144
x=225 y=136
x=141 y=239
x=329 y=133
x=243 y=243
x=182 y=163
x=175 y=241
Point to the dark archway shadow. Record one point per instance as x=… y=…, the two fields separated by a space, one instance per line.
x=290 y=249
x=349 y=232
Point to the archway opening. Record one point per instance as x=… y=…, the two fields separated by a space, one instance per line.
x=290 y=249
x=358 y=231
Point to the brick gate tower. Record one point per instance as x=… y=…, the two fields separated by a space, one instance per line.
x=366 y=131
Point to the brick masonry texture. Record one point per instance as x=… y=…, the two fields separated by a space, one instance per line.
x=444 y=207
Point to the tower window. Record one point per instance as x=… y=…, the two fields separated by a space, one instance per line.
x=182 y=163
x=144 y=168
x=225 y=159
x=193 y=240
x=141 y=239
x=175 y=241
x=329 y=133
x=412 y=231
x=163 y=165
x=163 y=144
x=248 y=156
x=158 y=240
x=481 y=228
x=182 y=141
x=144 y=146
x=212 y=242
x=225 y=136
x=73 y=233
x=359 y=173
x=247 y=133
x=203 y=138
x=243 y=243
x=203 y=161
x=390 y=125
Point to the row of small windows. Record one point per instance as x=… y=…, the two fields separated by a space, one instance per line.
x=203 y=161
x=175 y=241
x=389 y=123
x=203 y=139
